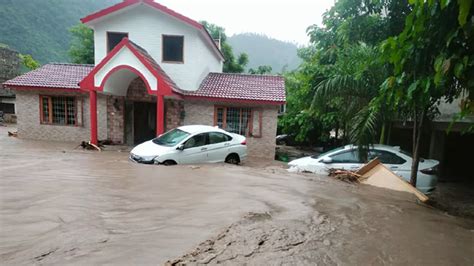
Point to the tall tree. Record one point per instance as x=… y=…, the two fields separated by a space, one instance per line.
x=82 y=45
x=344 y=69
x=232 y=64
x=433 y=61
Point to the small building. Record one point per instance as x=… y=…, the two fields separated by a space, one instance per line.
x=154 y=70
x=9 y=68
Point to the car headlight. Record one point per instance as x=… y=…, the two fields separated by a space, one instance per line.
x=144 y=159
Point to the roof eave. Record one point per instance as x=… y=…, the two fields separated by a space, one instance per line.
x=33 y=87
x=234 y=100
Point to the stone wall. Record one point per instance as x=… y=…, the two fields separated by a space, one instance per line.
x=28 y=116
x=115 y=118
x=174 y=110
x=9 y=64
x=138 y=92
x=202 y=113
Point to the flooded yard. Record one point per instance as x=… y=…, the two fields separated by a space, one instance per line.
x=60 y=205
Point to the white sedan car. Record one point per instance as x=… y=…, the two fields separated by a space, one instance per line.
x=191 y=145
x=393 y=157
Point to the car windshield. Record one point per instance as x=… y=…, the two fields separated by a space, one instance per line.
x=326 y=153
x=171 y=138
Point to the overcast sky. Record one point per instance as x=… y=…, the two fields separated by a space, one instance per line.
x=281 y=19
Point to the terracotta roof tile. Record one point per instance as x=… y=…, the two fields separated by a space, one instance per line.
x=242 y=87
x=54 y=75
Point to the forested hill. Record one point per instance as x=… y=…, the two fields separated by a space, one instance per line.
x=263 y=50
x=40 y=27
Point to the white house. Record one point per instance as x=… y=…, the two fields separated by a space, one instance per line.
x=154 y=70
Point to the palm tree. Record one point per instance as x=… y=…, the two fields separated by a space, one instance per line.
x=355 y=78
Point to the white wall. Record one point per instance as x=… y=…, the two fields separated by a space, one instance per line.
x=145 y=26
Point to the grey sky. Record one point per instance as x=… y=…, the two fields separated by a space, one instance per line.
x=282 y=19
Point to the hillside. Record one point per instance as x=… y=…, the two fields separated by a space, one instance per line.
x=263 y=50
x=40 y=27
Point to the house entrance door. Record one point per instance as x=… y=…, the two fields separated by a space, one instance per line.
x=140 y=122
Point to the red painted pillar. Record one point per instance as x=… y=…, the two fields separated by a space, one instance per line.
x=160 y=114
x=93 y=113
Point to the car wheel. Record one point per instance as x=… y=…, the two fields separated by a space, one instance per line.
x=232 y=159
x=169 y=163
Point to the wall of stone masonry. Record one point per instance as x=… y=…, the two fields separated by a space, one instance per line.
x=9 y=64
x=28 y=116
x=138 y=92
x=202 y=113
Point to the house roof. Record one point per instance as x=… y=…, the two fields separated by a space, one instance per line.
x=127 y=3
x=215 y=87
x=251 y=88
x=52 y=76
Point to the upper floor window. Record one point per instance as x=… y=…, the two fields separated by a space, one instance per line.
x=173 y=49
x=114 y=38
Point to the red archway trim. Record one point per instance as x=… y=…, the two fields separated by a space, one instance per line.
x=163 y=88
x=130 y=68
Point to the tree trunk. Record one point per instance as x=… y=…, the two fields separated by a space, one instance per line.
x=382 y=133
x=417 y=132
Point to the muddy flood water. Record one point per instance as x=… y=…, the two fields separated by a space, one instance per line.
x=64 y=206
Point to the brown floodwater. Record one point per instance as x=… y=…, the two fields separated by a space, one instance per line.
x=59 y=205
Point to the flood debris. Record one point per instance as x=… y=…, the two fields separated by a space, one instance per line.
x=376 y=174
x=344 y=175
x=89 y=146
x=13 y=134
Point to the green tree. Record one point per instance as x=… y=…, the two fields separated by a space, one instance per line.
x=261 y=70
x=343 y=70
x=232 y=64
x=28 y=62
x=433 y=60
x=355 y=79
x=82 y=44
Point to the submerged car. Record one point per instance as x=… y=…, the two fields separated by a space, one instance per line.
x=347 y=157
x=192 y=145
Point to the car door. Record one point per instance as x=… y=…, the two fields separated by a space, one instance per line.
x=348 y=160
x=195 y=150
x=218 y=148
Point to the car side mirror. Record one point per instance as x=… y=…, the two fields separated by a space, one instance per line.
x=180 y=147
x=327 y=160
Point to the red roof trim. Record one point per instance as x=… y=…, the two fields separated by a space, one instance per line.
x=162 y=8
x=108 y=10
x=175 y=14
x=151 y=3
x=233 y=100
x=132 y=69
